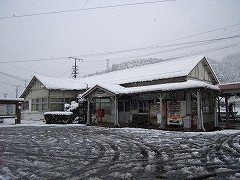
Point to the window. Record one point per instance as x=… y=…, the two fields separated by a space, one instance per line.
x=127 y=105
x=103 y=103
x=40 y=104
x=208 y=104
x=143 y=107
x=57 y=100
x=26 y=105
x=194 y=104
x=207 y=101
x=124 y=105
x=120 y=106
x=57 y=104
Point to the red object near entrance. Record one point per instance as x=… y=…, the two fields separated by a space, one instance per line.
x=101 y=114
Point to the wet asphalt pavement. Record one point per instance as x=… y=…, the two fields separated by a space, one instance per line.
x=79 y=152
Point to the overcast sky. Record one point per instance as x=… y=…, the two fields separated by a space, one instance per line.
x=42 y=34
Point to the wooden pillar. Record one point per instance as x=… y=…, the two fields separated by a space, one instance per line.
x=49 y=99
x=30 y=105
x=199 y=117
x=215 y=111
x=18 y=112
x=116 y=112
x=189 y=102
x=161 y=106
x=88 y=112
x=227 y=113
x=163 y=121
x=219 y=110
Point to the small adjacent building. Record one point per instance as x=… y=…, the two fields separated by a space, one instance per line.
x=163 y=94
x=228 y=90
x=11 y=108
x=48 y=94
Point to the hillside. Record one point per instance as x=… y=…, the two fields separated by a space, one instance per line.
x=128 y=64
x=228 y=69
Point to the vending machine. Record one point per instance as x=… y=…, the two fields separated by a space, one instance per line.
x=176 y=111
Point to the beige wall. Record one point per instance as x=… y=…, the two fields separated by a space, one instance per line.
x=38 y=92
x=200 y=72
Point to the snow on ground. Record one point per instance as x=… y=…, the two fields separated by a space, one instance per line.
x=9 y=122
x=34 y=150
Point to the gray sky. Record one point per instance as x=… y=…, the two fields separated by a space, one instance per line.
x=118 y=30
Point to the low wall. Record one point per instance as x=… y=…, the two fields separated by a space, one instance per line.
x=32 y=116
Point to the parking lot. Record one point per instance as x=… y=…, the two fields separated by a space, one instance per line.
x=81 y=152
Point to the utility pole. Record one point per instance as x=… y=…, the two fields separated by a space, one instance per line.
x=17 y=92
x=75 y=67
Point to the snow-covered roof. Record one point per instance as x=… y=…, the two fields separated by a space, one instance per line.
x=59 y=83
x=12 y=99
x=162 y=70
x=58 y=113
x=190 y=84
x=55 y=83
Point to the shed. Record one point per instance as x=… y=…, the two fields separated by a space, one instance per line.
x=48 y=94
x=11 y=107
x=228 y=90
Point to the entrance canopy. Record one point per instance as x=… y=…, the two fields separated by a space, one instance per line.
x=118 y=89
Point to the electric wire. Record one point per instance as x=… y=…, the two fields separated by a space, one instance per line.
x=12 y=84
x=84 y=9
x=127 y=50
x=12 y=76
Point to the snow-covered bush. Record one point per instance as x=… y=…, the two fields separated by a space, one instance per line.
x=71 y=107
x=75 y=109
x=58 y=117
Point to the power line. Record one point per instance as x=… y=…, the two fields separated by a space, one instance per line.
x=84 y=9
x=55 y=67
x=34 y=60
x=137 y=49
x=199 y=52
x=189 y=44
x=12 y=76
x=10 y=84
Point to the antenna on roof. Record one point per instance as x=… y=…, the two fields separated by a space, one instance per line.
x=75 y=67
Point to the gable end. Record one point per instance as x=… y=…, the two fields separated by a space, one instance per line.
x=203 y=71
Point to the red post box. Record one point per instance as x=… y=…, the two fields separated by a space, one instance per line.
x=100 y=114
